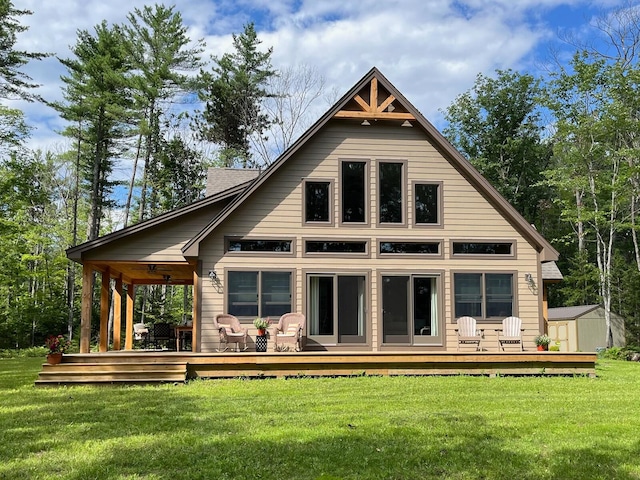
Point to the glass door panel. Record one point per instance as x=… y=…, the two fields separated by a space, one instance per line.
x=321 y=311
x=425 y=309
x=395 y=308
x=351 y=309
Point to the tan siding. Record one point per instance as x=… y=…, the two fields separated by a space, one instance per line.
x=160 y=243
x=275 y=211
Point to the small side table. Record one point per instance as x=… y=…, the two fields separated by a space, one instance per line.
x=184 y=329
x=261 y=343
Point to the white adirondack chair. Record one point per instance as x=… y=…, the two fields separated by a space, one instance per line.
x=511 y=333
x=467 y=332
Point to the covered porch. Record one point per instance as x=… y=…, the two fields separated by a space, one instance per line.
x=126 y=276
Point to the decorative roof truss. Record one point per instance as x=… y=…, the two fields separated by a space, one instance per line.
x=374 y=103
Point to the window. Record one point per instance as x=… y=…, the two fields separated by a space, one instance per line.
x=258 y=294
x=277 y=246
x=391 y=181
x=482 y=248
x=317 y=201
x=410 y=310
x=427 y=203
x=335 y=247
x=354 y=192
x=415 y=248
x=483 y=295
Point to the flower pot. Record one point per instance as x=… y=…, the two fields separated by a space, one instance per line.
x=542 y=348
x=54 y=358
x=262 y=332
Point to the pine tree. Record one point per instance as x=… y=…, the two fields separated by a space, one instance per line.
x=13 y=82
x=233 y=93
x=98 y=101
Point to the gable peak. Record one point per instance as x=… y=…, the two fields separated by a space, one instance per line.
x=373 y=100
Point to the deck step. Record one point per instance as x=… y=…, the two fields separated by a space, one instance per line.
x=104 y=373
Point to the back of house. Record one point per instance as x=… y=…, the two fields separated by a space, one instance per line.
x=372 y=225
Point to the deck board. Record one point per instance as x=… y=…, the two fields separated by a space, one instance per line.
x=149 y=366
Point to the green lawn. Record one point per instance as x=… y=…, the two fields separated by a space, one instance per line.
x=324 y=428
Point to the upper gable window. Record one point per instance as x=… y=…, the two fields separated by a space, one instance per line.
x=483 y=248
x=354 y=188
x=410 y=248
x=427 y=203
x=391 y=193
x=317 y=246
x=274 y=246
x=317 y=201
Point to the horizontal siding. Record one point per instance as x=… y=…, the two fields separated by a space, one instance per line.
x=275 y=211
x=159 y=243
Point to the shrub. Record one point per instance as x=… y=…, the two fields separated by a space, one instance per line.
x=24 y=352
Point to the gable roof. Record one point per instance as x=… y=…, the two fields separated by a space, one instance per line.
x=362 y=102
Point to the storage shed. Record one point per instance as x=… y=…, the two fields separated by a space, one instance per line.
x=583 y=329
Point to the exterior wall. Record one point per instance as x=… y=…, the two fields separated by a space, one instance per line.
x=275 y=211
x=592 y=331
x=160 y=243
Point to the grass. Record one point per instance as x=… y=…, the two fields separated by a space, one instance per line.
x=324 y=428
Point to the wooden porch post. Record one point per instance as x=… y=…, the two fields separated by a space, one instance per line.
x=104 y=310
x=128 y=343
x=196 y=308
x=117 y=313
x=85 y=310
x=545 y=307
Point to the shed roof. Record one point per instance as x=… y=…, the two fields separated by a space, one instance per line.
x=570 y=313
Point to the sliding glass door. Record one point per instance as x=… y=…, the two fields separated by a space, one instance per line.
x=336 y=308
x=410 y=310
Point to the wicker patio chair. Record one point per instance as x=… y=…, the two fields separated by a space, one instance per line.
x=289 y=332
x=467 y=332
x=511 y=333
x=141 y=334
x=230 y=332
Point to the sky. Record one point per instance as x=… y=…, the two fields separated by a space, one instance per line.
x=431 y=50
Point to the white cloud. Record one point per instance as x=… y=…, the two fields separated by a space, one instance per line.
x=431 y=50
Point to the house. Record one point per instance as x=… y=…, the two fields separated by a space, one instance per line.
x=371 y=224
x=583 y=328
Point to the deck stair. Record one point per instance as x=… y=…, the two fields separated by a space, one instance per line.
x=113 y=370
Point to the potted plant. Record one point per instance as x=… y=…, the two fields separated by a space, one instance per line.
x=542 y=342
x=261 y=324
x=57 y=345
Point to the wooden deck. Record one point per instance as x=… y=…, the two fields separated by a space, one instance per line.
x=143 y=367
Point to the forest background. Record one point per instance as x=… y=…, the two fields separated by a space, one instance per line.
x=563 y=148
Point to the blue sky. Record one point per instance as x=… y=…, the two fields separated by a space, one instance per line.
x=431 y=50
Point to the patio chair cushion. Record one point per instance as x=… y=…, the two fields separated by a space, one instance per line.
x=293 y=329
